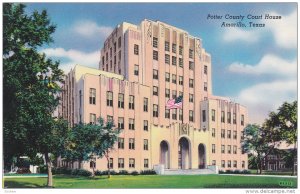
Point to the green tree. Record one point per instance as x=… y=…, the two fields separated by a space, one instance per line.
x=31 y=87
x=285 y=121
x=90 y=141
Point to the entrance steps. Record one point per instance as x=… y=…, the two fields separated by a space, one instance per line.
x=188 y=171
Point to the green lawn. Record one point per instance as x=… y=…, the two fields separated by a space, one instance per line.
x=266 y=172
x=152 y=181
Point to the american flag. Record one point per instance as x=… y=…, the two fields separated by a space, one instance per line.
x=175 y=103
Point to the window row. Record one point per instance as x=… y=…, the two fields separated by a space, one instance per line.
x=121 y=163
x=229 y=151
x=131 y=143
x=229 y=120
x=174 y=114
x=234 y=134
x=234 y=164
x=109 y=100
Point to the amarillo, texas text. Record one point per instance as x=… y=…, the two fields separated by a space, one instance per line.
x=249 y=20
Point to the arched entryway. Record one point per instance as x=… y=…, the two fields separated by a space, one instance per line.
x=164 y=154
x=201 y=156
x=184 y=155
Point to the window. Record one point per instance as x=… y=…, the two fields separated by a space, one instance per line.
x=174 y=94
x=136 y=49
x=191 y=98
x=174 y=48
x=223 y=149
x=191 y=53
x=167 y=59
x=110 y=52
x=167 y=77
x=228 y=117
x=180 y=50
x=234 y=164
x=131 y=102
x=145 y=144
x=131 y=143
x=109 y=98
x=121 y=143
x=242 y=120
x=119 y=42
x=234 y=149
x=120 y=55
x=121 y=122
x=229 y=149
x=145 y=125
x=131 y=163
x=167 y=93
x=213 y=132
x=174 y=60
x=92 y=118
x=191 y=83
x=155 y=42
x=167 y=46
x=131 y=124
x=243 y=164
x=110 y=119
x=121 y=101
x=222 y=117
x=205 y=69
x=180 y=80
x=213 y=148
x=234 y=134
x=205 y=86
x=203 y=115
x=155 y=55
x=191 y=116
x=136 y=70
x=213 y=114
x=167 y=113
x=92 y=96
x=229 y=163
x=180 y=62
x=115 y=47
x=229 y=134
x=106 y=56
x=146 y=163
x=223 y=163
x=174 y=81
x=213 y=163
x=155 y=110
x=155 y=91
x=121 y=163
x=155 y=74
x=180 y=114
x=92 y=164
x=145 y=104
x=234 y=118
x=191 y=65
x=111 y=163
x=223 y=133
x=174 y=114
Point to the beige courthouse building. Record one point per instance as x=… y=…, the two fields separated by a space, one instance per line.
x=141 y=67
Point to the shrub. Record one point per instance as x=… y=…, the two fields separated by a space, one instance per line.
x=43 y=169
x=134 y=173
x=245 y=171
x=98 y=173
x=236 y=172
x=221 y=172
x=112 y=172
x=62 y=170
x=229 y=171
x=82 y=172
x=75 y=172
x=123 y=172
x=147 y=172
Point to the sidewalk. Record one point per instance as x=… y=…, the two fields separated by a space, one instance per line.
x=263 y=175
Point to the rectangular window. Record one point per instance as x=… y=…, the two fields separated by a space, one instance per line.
x=174 y=60
x=191 y=83
x=121 y=122
x=167 y=77
x=92 y=96
x=229 y=149
x=174 y=48
x=155 y=91
x=145 y=125
x=167 y=46
x=136 y=49
x=174 y=94
x=131 y=102
x=121 y=163
x=115 y=47
x=191 y=53
x=191 y=98
x=145 y=144
x=213 y=115
x=109 y=98
x=145 y=104
x=234 y=118
x=223 y=133
x=180 y=114
x=222 y=117
x=234 y=164
x=213 y=163
x=180 y=50
x=174 y=80
x=243 y=164
x=213 y=148
x=205 y=86
x=223 y=163
x=121 y=143
x=121 y=101
x=131 y=163
x=229 y=134
x=119 y=42
x=106 y=56
x=92 y=164
x=228 y=117
x=131 y=124
x=191 y=116
x=234 y=150
x=223 y=149
x=229 y=163
x=242 y=120
x=155 y=42
x=111 y=163
x=205 y=69
x=213 y=132
x=174 y=114
x=155 y=74
x=92 y=118
x=131 y=143
x=167 y=59
x=167 y=93
x=167 y=113
x=110 y=52
x=203 y=116
x=120 y=56
x=181 y=80
x=155 y=55
x=234 y=134
x=136 y=70
x=191 y=65
x=180 y=62
x=146 y=163
x=155 y=110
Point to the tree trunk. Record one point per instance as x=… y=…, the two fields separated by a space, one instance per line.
x=257 y=164
x=93 y=174
x=49 y=168
x=260 y=166
x=108 y=167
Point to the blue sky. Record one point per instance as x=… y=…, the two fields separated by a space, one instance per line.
x=256 y=67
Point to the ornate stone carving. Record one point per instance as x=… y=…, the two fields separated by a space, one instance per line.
x=162 y=31
x=149 y=31
x=198 y=48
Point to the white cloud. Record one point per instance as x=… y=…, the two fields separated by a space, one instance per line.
x=269 y=64
x=74 y=57
x=236 y=34
x=90 y=29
